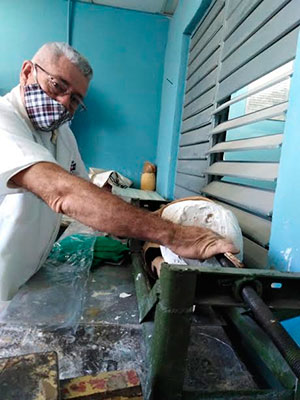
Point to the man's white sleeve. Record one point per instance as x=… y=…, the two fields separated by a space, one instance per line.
x=18 y=150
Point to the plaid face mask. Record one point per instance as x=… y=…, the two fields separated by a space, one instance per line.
x=45 y=113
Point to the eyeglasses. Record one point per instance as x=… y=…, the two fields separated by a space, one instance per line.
x=57 y=87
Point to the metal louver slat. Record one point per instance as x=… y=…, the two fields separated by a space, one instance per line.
x=232 y=6
x=249 y=170
x=190 y=182
x=271 y=31
x=201 y=87
x=256 y=20
x=197 y=120
x=262 y=142
x=192 y=167
x=206 y=45
x=276 y=55
x=240 y=14
x=257 y=89
x=209 y=65
x=180 y=192
x=206 y=22
x=196 y=136
x=199 y=104
x=193 y=152
x=205 y=53
x=260 y=115
x=255 y=200
x=254 y=227
x=255 y=256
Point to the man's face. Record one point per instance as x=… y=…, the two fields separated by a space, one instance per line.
x=61 y=71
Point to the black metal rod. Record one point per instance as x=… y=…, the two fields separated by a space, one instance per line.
x=285 y=344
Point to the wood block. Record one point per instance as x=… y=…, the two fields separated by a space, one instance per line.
x=29 y=377
x=112 y=385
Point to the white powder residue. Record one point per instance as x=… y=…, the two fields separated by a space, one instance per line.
x=124 y=295
x=287 y=255
x=101 y=293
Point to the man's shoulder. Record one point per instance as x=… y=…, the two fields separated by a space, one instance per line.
x=6 y=105
x=10 y=116
x=8 y=113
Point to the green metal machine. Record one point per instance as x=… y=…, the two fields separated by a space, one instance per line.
x=243 y=298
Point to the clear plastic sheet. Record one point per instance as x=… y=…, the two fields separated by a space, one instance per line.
x=74 y=227
x=53 y=298
x=216 y=366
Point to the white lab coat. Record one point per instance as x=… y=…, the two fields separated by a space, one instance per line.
x=28 y=227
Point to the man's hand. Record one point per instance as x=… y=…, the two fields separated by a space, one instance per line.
x=199 y=243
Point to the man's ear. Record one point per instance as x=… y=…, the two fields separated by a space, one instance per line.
x=26 y=75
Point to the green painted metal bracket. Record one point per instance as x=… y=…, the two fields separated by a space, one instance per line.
x=218 y=286
x=147 y=296
x=171 y=335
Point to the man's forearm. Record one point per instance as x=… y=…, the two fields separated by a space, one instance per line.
x=91 y=205
x=104 y=211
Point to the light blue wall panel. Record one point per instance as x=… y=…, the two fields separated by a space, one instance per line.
x=188 y=13
x=126 y=50
x=25 y=26
x=284 y=251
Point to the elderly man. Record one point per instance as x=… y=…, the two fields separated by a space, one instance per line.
x=42 y=175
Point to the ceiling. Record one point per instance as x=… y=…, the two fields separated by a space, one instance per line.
x=151 y=6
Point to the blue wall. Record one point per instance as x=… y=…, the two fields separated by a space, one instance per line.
x=25 y=26
x=126 y=50
x=188 y=13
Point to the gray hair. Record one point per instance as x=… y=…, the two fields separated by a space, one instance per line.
x=58 y=49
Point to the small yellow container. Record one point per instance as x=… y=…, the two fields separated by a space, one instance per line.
x=148 y=181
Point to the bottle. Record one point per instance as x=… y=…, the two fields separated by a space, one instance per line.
x=148 y=181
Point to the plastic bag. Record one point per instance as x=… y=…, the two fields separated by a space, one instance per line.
x=109 y=250
x=53 y=298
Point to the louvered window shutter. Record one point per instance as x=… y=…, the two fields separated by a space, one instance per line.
x=241 y=58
